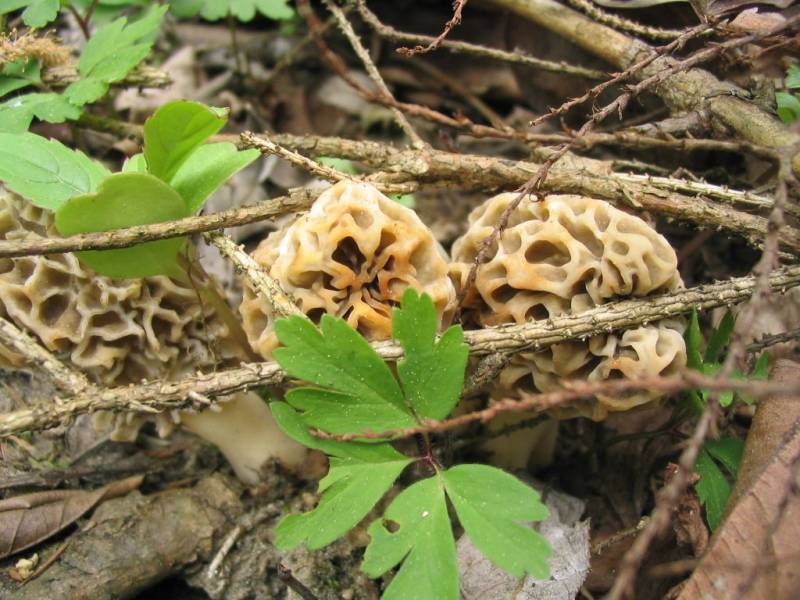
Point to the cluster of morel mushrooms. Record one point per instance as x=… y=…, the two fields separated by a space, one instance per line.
x=352 y=255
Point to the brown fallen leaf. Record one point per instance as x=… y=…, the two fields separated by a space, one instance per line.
x=690 y=530
x=29 y=519
x=754 y=553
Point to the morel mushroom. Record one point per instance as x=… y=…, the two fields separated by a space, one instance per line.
x=352 y=256
x=120 y=331
x=566 y=254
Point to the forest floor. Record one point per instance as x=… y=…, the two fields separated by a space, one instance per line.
x=666 y=111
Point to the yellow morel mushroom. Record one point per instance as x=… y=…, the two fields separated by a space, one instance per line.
x=120 y=331
x=566 y=254
x=352 y=256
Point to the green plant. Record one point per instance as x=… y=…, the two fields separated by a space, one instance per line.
x=788 y=104
x=713 y=489
x=171 y=179
x=242 y=10
x=355 y=392
x=111 y=53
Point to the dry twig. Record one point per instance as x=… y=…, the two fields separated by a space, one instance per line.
x=197 y=392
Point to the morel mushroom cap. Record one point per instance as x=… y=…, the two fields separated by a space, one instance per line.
x=120 y=331
x=567 y=254
x=352 y=255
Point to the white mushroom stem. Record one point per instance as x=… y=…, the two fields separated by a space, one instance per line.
x=245 y=432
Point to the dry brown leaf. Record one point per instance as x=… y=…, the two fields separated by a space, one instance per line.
x=754 y=552
x=29 y=519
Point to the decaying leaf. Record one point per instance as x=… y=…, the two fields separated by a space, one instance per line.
x=29 y=519
x=754 y=552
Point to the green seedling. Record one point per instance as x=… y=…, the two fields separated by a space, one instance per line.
x=714 y=488
x=352 y=392
x=171 y=179
x=110 y=54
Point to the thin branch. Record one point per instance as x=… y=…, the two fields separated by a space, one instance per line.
x=64 y=378
x=624 y=24
x=460 y=47
x=372 y=71
x=578 y=390
x=431 y=167
x=269 y=288
x=458 y=7
x=197 y=392
x=299 y=199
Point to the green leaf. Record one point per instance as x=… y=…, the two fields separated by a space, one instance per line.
x=40 y=12
x=694 y=340
x=291 y=423
x=125 y=200
x=243 y=10
x=175 y=131
x=7 y=6
x=728 y=452
x=761 y=369
x=359 y=476
x=44 y=171
x=416 y=530
x=19 y=74
x=207 y=168
x=185 y=9
x=135 y=164
x=712 y=489
x=111 y=53
x=492 y=507
x=432 y=373
x=11 y=84
x=17 y=113
x=340 y=164
x=359 y=389
x=793 y=77
x=407 y=200
x=349 y=491
x=28 y=69
x=788 y=106
x=720 y=337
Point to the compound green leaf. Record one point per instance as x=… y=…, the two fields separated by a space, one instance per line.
x=17 y=113
x=359 y=391
x=207 y=168
x=416 y=530
x=349 y=491
x=712 y=489
x=44 y=171
x=432 y=373
x=493 y=508
x=111 y=53
x=40 y=12
x=243 y=10
x=175 y=131
x=360 y=474
x=124 y=200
